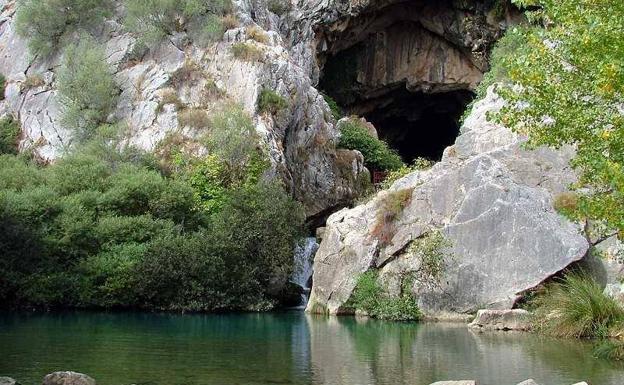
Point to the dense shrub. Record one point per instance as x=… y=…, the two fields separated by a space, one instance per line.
x=152 y=20
x=270 y=102
x=577 y=307
x=86 y=88
x=369 y=296
x=377 y=155
x=9 y=133
x=46 y=23
x=102 y=227
x=2 y=86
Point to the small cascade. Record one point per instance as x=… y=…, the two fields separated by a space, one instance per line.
x=304 y=267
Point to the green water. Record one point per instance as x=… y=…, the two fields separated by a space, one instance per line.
x=283 y=348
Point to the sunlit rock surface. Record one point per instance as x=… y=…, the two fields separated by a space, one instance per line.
x=492 y=200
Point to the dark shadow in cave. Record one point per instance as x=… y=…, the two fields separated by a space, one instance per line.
x=419 y=124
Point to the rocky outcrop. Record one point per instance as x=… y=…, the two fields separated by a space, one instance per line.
x=67 y=378
x=7 y=381
x=301 y=138
x=515 y=319
x=489 y=197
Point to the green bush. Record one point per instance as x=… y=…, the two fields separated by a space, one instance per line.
x=86 y=88
x=102 y=227
x=279 y=7
x=337 y=112
x=370 y=297
x=9 y=134
x=46 y=23
x=152 y=20
x=2 y=86
x=246 y=52
x=270 y=102
x=577 y=307
x=377 y=155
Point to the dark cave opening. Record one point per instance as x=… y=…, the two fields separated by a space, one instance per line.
x=419 y=125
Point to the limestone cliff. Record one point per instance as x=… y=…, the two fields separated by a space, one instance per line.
x=491 y=199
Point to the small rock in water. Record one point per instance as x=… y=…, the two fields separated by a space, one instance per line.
x=68 y=378
x=528 y=382
x=581 y=383
x=7 y=381
x=463 y=382
x=516 y=319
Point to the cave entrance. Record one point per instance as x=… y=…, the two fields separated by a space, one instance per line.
x=409 y=67
x=419 y=125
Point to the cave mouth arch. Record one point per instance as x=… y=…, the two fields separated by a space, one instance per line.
x=410 y=67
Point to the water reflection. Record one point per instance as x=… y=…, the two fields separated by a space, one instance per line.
x=283 y=348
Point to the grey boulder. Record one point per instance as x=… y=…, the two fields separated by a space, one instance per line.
x=515 y=319
x=463 y=382
x=67 y=378
x=7 y=381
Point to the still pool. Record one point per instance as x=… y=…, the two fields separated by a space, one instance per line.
x=283 y=348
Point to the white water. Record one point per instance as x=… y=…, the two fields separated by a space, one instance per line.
x=304 y=266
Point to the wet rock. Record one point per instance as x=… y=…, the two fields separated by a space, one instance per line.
x=7 y=381
x=67 y=378
x=528 y=382
x=516 y=319
x=616 y=291
x=490 y=198
x=463 y=382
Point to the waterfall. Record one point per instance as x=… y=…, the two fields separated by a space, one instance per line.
x=304 y=258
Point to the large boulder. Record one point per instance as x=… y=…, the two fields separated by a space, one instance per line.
x=67 y=378
x=7 y=381
x=515 y=319
x=491 y=199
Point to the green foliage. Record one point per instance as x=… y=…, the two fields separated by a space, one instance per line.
x=86 y=88
x=153 y=20
x=270 y=102
x=9 y=133
x=419 y=164
x=377 y=154
x=610 y=350
x=246 y=52
x=337 y=112
x=47 y=23
x=370 y=297
x=279 y=7
x=577 y=307
x=432 y=250
x=391 y=206
x=2 y=86
x=564 y=87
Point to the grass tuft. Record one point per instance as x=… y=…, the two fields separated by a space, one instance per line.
x=577 y=307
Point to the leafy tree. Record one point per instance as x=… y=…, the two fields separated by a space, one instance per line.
x=46 y=23
x=377 y=155
x=86 y=88
x=565 y=86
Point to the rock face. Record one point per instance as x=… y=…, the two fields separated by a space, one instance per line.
x=516 y=319
x=493 y=202
x=464 y=382
x=67 y=378
x=301 y=139
x=7 y=381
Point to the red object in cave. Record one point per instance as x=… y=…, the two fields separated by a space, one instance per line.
x=379 y=177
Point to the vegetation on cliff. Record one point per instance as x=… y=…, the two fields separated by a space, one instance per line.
x=377 y=155
x=104 y=227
